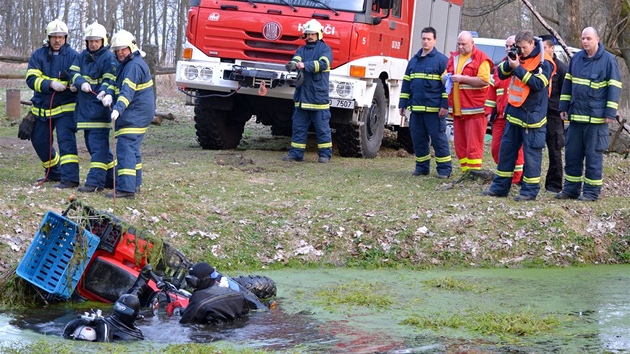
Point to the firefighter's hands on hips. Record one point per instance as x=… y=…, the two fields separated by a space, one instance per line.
x=443 y=112
x=107 y=100
x=57 y=86
x=115 y=115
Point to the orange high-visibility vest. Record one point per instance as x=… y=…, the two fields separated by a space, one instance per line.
x=519 y=90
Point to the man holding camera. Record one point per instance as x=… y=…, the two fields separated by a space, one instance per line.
x=526 y=113
x=495 y=105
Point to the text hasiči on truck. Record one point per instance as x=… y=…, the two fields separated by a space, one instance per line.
x=234 y=58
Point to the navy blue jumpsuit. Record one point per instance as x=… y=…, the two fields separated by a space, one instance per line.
x=134 y=99
x=312 y=103
x=97 y=69
x=54 y=110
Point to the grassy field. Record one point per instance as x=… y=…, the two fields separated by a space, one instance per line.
x=247 y=209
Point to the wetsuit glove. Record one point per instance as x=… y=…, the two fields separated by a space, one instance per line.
x=57 y=86
x=85 y=87
x=291 y=66
x=107 y=100
x=26 y=127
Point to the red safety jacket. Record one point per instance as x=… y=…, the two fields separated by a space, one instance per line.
x=472 y=98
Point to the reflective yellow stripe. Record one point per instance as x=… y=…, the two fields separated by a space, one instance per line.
x=94 y=125
x=298 y=145
x=587 y=119
x=126 y=172
x=594 y=182
x=138 y=166
x=102 y=166
x=135 y=131
x=423 y=158
x=517 y=121
x=425 y=109
x=426 y=76
x=505 y=174
x=315 y=106
x=324 y=145
x=51 y=163
x=574 y=179
x=69 y=159
x=443 y=159
x=531 y=180
x=47 y=113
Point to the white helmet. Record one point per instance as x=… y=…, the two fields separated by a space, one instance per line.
x=123 y=39
x=84 y=333
x=56 y=28
x=95 y=31
x=313 y=26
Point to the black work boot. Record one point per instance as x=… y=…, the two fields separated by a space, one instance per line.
x=66 y=185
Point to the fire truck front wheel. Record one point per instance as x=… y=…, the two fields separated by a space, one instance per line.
x=217 y=129
x=364 y=140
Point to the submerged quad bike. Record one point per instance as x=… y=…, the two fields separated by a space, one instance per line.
x=118 y=259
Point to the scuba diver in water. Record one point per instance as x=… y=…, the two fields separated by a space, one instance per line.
x=119 y=326
x=213 y=300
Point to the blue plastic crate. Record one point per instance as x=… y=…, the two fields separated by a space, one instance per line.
x=46 y=264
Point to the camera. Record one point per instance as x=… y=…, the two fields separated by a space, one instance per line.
x=514 y=52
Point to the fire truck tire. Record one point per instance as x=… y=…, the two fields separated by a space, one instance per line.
x=404 y=139
x=217 y=129
x=365 y=140
x=261 y=286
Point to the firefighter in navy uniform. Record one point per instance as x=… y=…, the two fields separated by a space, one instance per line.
x=589 y=100
x=311 y=94
x=424 y=92
x=53 y=107
x=132 y=100
x=526 y=115
x=93 y=72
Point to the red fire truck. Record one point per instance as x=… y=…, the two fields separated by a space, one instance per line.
x=234 y=57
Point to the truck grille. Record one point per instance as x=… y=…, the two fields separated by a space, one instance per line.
x=281 y=50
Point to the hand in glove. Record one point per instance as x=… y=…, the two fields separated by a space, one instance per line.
x=73 y=88
x=107 y=100
x=57 y=86
x=100 y=95
x=26 y=127
x=291 y=66
x=115 y=115
x=85 y=87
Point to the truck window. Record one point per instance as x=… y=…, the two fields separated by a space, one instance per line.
x=339 y=5
x=397 y=5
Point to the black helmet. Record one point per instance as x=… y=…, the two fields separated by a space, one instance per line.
x=201 y=276
x=127 y=308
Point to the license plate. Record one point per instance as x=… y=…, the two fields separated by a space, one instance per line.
x=337 y=103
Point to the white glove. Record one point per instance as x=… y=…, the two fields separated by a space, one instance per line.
x=73 y=88
x=115 y=115
x=100 y=95
x=85 y=87
x=57 y=86
x=107 y=100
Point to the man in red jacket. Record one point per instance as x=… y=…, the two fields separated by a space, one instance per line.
x=469 y=70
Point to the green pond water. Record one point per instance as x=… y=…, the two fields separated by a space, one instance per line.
x=590 y=307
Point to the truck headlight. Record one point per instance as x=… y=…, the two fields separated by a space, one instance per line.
x=205 y=74
x=191 y=72
x=344 y=89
